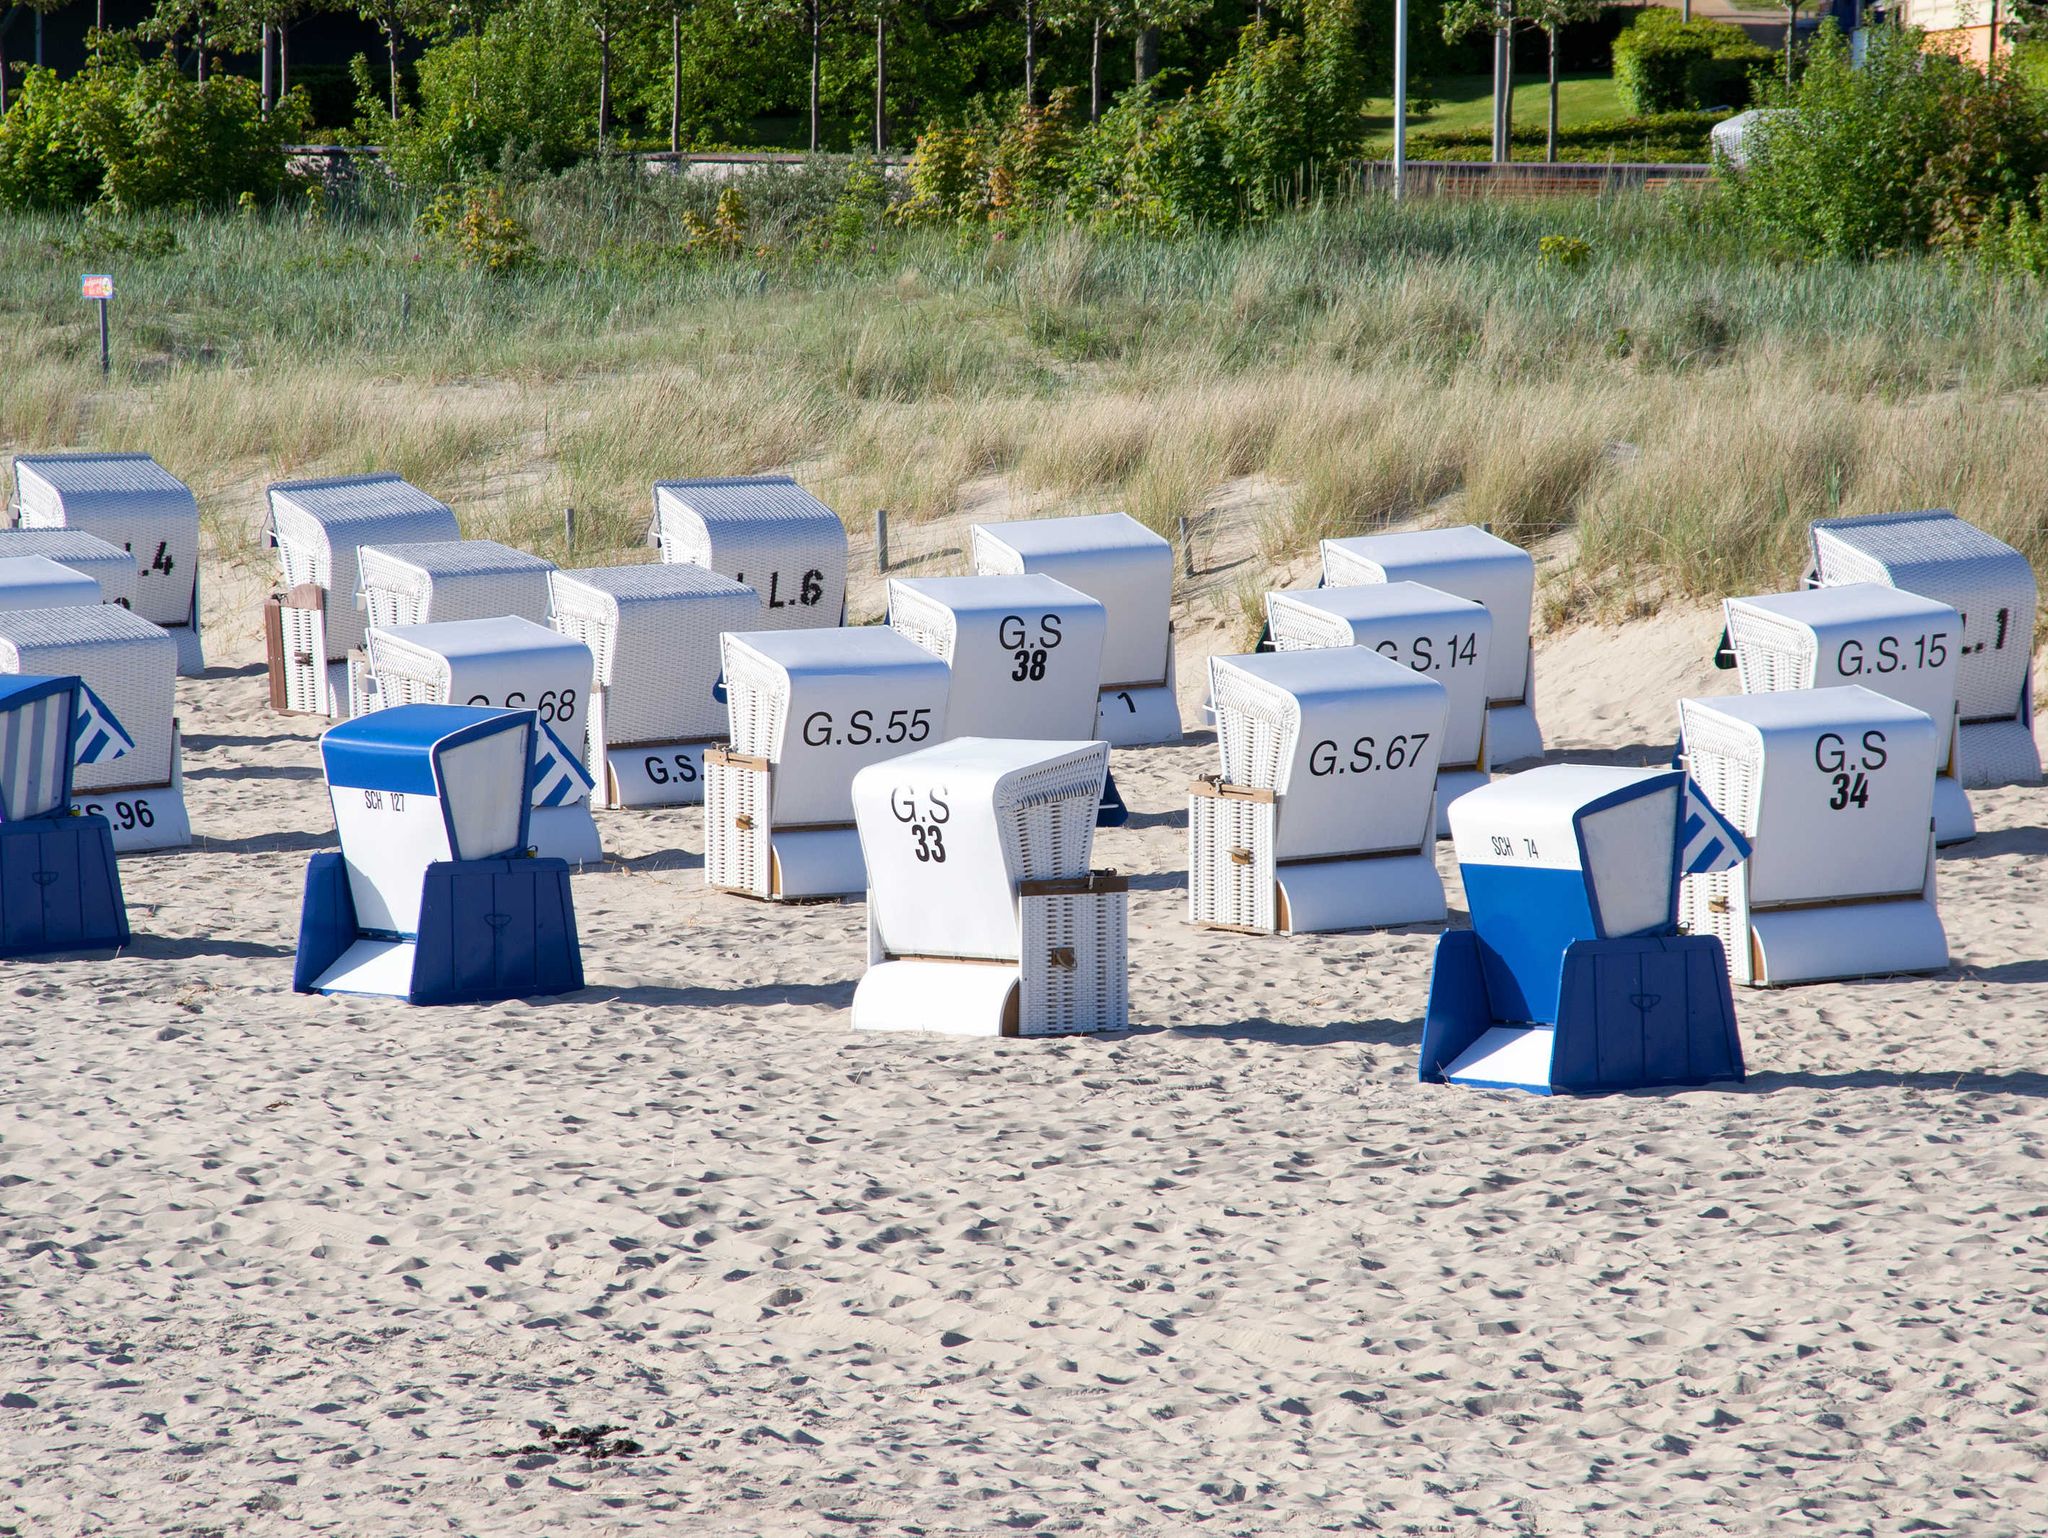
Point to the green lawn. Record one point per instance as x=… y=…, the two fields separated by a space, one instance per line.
x=1464 y=101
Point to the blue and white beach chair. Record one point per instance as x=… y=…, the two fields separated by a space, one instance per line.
x=433 y=898
x=59 y=887
x=1573 y=977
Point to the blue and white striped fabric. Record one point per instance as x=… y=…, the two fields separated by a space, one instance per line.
x=559 y=778
x=1711 y=843
x=33 y=741
x=100 y=738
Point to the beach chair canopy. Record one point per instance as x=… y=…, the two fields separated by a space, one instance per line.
x=1438 y=634
x=131 y=502
x=1025 y=651
x=1346 y=739
x=1834 y=787
x=1466 y=561
x=87 y=554
x=949 y=833
x=320 y=526
x=419 y=783
x=452 y=579
x=1112 y=558
x=765 y=532
x=37 y=582
x=819 y=705
x=654 y=635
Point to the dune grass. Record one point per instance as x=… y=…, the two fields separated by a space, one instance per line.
x=1678 y=407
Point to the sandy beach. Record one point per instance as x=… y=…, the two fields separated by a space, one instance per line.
x=279 y=1264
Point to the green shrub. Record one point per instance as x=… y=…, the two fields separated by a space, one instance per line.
x=135 y=136
x=1663 y=64
x=1907 y=149
x=1027 y=173
x=1666 y=137
x=517 y=94
x=948 y=177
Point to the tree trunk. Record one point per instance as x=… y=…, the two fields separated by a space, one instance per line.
x=817 y=32
x=99 y=19
x=1095 y=73
x=284 y=58
x=675 y=81
x=391 y=57
x=3 y=72
x=1030 y=55
x=263 y=91
x=604 y=87
x=1550 y=134
x=881 y=82
x=39 y=39
x=1145 y=55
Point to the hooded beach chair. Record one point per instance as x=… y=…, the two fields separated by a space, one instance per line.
x=1473 y=564
x=87 y=554
x=433 y=898
x=37 y=582
x=135 y=505
x=1904 y=646
x=1574 y=977
x=1025 y=653
x=511 y=664
x=450 y=579
x=764 y=532
x=130 y=666
x=809 y=709
x=1116 y=560
x=1437 y=634
x=1991 y=587
x=984 y=918
x=1834 y=789
x=319 y=528
x=59 y=887
x=654 y=636
x=1323 y=816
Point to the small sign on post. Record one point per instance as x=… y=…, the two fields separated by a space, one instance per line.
x=99 y=286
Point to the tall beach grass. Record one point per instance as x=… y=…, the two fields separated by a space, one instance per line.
x=1679 y=406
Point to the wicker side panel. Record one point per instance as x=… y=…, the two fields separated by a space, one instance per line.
x=304 y=645
x=1771 y=654
x=1075 y=969
x=737 y=804
x=924 y=620
x=1347 y=568
x=1230 y=863
x=1303 y=629
x=1718 y=905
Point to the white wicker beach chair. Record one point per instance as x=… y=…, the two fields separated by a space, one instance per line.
x=1473 y=564
x=1440 y=634
x=451 y=579
x=37 y=582
x=1025 y=652
x=809 y=709
x=1902 y=645
x=87 y=554
x=984 y=918
x=1834 y=788
x=765 y=531
x=506 y=662
x=319 y=528
x=1323 y=815
x=1991 y=587
x=136 y=505
x=1116 y=560
x=132 y=666
x=654 y=632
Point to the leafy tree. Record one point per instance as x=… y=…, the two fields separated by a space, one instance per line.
x=173 y=20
